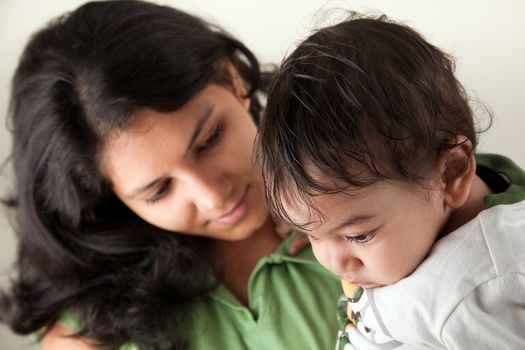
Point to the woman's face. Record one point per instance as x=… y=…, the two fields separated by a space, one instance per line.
x=191 y=171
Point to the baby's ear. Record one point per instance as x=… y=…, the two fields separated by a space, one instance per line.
x=458 y=169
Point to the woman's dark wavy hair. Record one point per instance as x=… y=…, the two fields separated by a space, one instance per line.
x=80 y=249
x=361 y=101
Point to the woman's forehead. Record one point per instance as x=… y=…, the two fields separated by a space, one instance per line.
x=151 y=129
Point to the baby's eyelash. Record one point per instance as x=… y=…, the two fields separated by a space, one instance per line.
x=360 y=239
x=160 y=193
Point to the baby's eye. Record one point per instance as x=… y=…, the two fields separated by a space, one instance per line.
x=360 y=239
x=161 y=192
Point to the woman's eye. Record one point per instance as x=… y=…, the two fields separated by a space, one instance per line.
x=212 y=139
x=360 y=239
x=161 y=192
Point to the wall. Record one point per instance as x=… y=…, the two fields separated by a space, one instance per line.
x=486 y=37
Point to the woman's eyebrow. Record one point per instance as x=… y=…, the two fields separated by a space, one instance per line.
x=144 y=188
x=194 y=135
x=198 y=127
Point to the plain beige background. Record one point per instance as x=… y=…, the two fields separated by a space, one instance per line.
x=486 y=37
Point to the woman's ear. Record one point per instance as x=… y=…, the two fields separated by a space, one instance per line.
x=237 y=83
x=458 y=169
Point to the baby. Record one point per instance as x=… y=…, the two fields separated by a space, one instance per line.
x=368 y=146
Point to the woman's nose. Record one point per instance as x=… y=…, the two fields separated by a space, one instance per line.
x=208 y=190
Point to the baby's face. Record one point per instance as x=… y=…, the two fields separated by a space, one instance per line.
x=376 y=235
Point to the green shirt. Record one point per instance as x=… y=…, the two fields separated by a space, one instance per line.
x=511 y=172
x=292 y=303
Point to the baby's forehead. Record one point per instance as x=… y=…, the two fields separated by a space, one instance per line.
x=352 y=206
x=301 y=215
x=309 y=211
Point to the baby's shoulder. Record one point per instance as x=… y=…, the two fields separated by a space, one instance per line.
x=503 y=231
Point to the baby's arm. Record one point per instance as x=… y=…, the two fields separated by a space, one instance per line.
x=359 y=341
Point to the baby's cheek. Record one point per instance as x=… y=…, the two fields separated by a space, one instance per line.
x=399 y=270
x=320 y=254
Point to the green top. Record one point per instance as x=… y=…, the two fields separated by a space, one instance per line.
x=510 y=171
x=292 y=306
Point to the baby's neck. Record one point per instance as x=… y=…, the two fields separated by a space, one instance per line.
x=472 y=207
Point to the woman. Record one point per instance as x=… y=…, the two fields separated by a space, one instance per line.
x=141 y=218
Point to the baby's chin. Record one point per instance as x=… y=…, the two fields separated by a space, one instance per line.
x=366 y=285
x=371 y=285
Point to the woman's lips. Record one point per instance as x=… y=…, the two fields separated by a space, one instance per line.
x=236 y=213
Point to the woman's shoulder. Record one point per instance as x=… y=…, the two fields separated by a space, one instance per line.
x=59 y=338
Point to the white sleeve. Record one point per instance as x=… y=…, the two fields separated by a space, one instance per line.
x=359 y=341
x=490 y=317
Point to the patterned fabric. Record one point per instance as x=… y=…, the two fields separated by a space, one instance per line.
x=355 y=311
